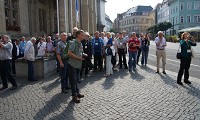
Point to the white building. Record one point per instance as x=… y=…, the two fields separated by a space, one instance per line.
x=109 y=24
x=101 y=15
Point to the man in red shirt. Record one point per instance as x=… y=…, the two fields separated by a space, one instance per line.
x=133 y=45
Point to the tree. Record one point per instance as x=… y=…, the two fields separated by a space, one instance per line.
x=164 y=26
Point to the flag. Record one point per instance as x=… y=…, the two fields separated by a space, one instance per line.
x=77 y=11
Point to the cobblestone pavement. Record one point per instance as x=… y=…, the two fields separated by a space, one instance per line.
x=141 y=95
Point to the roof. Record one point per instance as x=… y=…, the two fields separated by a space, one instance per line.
x=138 y=10
x=108 y=19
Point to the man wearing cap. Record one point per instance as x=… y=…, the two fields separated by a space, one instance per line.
x=160 y=51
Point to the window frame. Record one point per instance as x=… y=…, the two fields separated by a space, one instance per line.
x=198 y=16
x=181 y=6
x=189 y=19
x=181 y=18
x=13 y=15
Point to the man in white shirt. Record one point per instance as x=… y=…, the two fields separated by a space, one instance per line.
x=29 y=55
x=41 y=46
x=160 y=51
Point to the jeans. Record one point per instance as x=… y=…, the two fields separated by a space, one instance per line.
x=98 y=61
x=138 y=54
x=113 y=60
x=30 y=70
x=5 y=72
x=74 y=76
x=85 y=66
x=122 y=54
x=132 y=59
x=184 y=67
x=144 y=56
x=64 y=75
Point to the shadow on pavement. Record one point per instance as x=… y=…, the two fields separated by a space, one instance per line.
x=51 y=86
x=135 y=75
x=193 y=90
x=109 y=81
x=54 y=104
x=168 y=80
x=23 y=83
x=67 y=113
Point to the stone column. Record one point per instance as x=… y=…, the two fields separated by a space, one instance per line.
x=91 y=18
x=2 y=17
x=85 y=15
x=95 y=16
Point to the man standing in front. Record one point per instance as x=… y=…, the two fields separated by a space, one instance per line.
x=133 y=43
x=62 y=51
x=75 y=53
x=160 y=51
x=97 y=51
x=5 y=63
x=29 y=55
x=121 y=51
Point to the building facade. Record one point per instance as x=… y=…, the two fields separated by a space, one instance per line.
x=184 y=14
x=37 y=17
x=109 y=24
x=163 y=12
x=136 y=19
x=101 y=15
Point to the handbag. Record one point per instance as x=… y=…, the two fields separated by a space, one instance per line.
x=178 y=54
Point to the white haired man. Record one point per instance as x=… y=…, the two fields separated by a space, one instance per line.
x=160 y=51
x=29 y=55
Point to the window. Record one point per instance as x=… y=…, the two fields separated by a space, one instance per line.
x=176 y=20
x=182 y=20
x=197 y=6
x=12 y=15
x=134 y=21
x=176 y=9
x=142 y=20
x=188 y=19
x=182 y=6
x=197 y=18
x=189 y=6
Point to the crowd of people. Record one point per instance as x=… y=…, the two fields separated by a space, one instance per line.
x=78 y=53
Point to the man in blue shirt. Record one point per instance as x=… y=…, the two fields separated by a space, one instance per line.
x=22 y=45
x=97 y=51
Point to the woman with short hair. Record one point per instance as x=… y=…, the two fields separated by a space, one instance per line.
x=186 y=42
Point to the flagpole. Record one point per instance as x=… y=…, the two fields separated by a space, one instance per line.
x=58 y=19
x=65 y=16
x=76 y=11
x=71 y=15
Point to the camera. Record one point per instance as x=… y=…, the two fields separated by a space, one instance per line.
x=84 y=55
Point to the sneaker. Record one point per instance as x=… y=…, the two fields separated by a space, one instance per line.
x=13 y=88
x=164 y=72
x=179 y=82
x=157 y=71
x=126 y=67
x=3 y=88
x=187 y=82
x=76 y=99
x=80 y=96
x=106 y=75
x=64 y=91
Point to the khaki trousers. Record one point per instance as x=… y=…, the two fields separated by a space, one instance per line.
x=161 y=54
